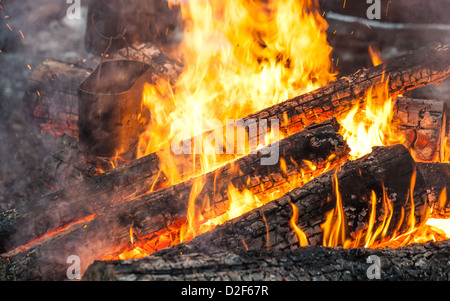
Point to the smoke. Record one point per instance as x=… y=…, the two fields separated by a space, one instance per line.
x=30 y=32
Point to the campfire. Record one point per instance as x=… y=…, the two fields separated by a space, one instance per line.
x=229 y=145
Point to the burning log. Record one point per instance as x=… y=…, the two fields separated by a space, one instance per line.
x=312 y=263
x=425 y=66
x=236 y=249
x=386 y=170
x=51 y=97
x=155 y=212
x=423 y=123
x=428 y=65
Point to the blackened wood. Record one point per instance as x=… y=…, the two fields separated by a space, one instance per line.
x=416 y=262
x=109 y=231
x=268 y=226
x=423 y=124
x=437 y=178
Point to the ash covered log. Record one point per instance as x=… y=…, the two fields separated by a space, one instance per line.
x=312 y=263
x=423 y=123
x=109 y=231
x=269 y=226
x=51 y=96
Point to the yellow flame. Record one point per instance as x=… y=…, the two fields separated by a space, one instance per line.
x=376 y=235
x=371 y=126
x=302 y=239
x=240 y=57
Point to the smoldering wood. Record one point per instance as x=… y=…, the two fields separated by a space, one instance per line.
x=429 y=65
x=268 y=226
x=425 y=66
x=51 y=96
x=109 y=231
x=423 y=123
x=312 y=263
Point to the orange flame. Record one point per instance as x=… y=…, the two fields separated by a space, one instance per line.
x=302 y=240
x=372 y=126
x=376 y=235
x=240 y=57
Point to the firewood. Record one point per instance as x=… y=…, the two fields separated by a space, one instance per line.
x=109 y=231
x=269 y=226
x=422 y=67
x=67 y=165
x=437 y=178
x=312 y=263
x=423 y=124
x=51 y=96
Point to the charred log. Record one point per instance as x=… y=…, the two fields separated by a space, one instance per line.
x=425 y=66
x=109 y=231
x=269 y=226
x=312 y=263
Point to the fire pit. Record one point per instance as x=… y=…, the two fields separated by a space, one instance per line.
x=241 y=151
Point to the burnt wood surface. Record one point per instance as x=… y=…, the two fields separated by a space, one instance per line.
x=416 y=262
x=109 y=231
x=226 y=250
x=268 y=226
